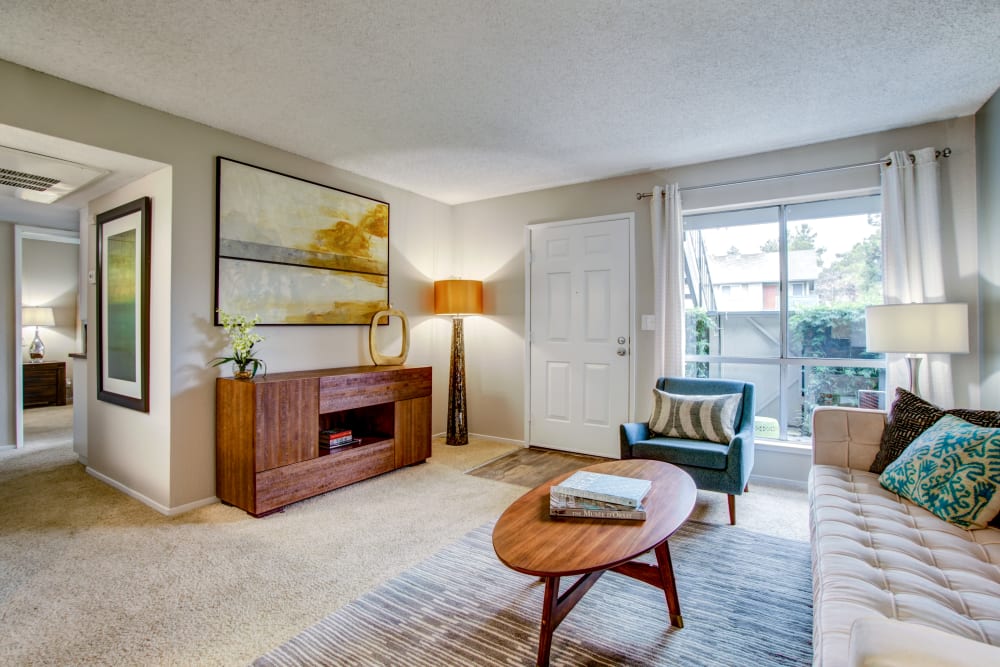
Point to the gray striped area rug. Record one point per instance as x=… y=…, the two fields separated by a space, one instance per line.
x=746 y=600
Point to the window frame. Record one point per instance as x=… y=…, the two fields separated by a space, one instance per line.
x=785 y=362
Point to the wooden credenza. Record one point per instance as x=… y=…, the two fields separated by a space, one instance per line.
x=44 y=383
x=267 y=452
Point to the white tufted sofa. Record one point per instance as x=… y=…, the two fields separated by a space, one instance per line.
x=877 y=557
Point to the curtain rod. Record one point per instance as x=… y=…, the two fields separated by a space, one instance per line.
x=946 y=152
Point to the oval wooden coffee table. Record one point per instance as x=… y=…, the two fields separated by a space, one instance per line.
x=528 y=540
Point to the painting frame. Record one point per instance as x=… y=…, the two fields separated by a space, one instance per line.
x=123 y=277
x=296 y=252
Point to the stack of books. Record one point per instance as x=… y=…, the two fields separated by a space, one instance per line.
x=598 y=496
x=332 y=439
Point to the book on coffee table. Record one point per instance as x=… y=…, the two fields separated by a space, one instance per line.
x=616 y=489
x=569 y=506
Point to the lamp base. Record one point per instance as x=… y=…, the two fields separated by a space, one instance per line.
x=458 y=429
x=913 y=362
x=37 y=349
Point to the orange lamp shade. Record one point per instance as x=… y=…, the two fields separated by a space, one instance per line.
x=458 y=297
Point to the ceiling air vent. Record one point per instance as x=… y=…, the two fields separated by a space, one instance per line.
x=19 y=179
x=41 y=178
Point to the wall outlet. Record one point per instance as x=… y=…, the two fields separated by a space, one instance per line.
x=649 y=323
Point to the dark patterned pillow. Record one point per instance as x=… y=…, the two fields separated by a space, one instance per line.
x=910 y=416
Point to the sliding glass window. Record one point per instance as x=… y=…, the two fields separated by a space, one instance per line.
x=776 y=295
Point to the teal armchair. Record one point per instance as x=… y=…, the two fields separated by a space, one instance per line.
x=713 y=466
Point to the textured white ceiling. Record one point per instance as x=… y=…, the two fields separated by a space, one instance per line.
x=461 y=100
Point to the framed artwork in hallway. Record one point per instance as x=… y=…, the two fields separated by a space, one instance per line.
x=123 y=304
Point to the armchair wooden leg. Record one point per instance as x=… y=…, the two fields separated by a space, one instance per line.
x=732 y=510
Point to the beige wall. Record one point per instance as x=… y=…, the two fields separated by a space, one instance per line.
x=492 y=237
x=988 y=177
x=128 y=448
x=429 y=240
x=49 y=278
x=40 y=103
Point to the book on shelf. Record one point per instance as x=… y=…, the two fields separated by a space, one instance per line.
x=627 y=491
x=339 y=444
x=334 y=436
x=570 y=506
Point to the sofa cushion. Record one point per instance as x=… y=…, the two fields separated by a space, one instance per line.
x=710 y=418
x=910 y=416
x=695 y=453
x=875 y=554
x=951 y=469
x=884 y=642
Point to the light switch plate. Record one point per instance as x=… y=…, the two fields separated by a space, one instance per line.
x=92 y=277
x=649 y=323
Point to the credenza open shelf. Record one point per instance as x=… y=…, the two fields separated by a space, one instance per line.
x=267 y=452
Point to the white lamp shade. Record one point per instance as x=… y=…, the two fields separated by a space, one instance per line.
x=34 y=316
x=918 y=328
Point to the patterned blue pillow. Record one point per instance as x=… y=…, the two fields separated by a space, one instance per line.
x=953 y=470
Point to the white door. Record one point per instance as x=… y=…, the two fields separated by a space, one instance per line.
x=580 y=294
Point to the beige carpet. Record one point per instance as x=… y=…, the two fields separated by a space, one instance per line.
x=92 y=577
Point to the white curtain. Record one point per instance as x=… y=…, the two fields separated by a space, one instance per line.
x=911 y=245
x=668 y=290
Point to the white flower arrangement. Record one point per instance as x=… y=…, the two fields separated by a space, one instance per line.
x=242 y=337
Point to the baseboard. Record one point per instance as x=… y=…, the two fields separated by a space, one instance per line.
x=779 y=481
x=181 y=509
x=149 y=502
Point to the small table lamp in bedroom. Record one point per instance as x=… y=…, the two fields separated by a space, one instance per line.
x=37 y=317
x=457 y=298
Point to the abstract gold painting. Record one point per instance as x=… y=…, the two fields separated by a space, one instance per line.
x=297 y=252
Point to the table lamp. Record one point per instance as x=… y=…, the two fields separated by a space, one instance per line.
x=917 y=328
x=37 y=317
x=457 y=298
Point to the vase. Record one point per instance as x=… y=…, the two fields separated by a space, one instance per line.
x=240 y=373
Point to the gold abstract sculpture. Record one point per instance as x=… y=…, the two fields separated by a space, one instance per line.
x=377 y=357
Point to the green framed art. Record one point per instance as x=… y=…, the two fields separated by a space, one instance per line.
x=123 y=244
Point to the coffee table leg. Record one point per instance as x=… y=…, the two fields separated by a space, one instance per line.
x=666 y=568
x=549 y=607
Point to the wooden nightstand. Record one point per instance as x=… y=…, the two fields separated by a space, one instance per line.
x=44 y=383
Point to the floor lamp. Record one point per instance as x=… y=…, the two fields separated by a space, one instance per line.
x=917 y=328
x=457 y=298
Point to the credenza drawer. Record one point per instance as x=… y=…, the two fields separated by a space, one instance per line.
x=291 y=483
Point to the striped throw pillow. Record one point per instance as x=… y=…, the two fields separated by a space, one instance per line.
x=710 y=418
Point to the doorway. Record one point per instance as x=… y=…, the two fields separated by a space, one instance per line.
x=46 y=279
x=580 y=325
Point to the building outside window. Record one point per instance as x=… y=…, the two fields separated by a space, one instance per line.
x=776 y=295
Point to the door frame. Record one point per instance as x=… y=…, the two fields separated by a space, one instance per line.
x=22 y=232
x=528 y=229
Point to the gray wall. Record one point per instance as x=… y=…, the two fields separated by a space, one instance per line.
x=988 y=178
